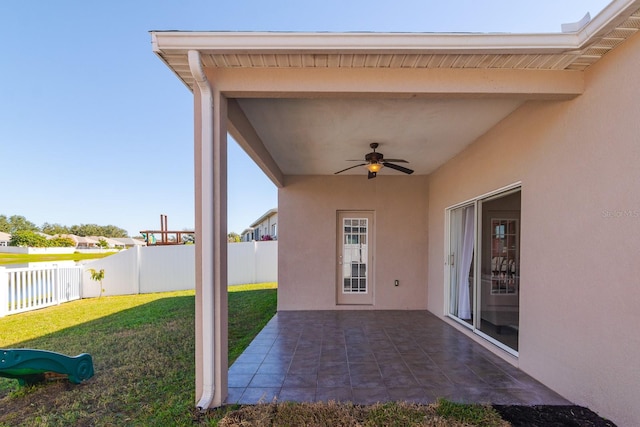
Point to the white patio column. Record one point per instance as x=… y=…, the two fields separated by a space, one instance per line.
x=210 y=124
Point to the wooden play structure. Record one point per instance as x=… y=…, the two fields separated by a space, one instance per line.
x=164 y=236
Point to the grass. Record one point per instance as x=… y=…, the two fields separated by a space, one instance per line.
x=390 y=414
x=6 y=259
x=143 y=352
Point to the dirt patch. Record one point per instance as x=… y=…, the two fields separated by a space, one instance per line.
x=551 y=416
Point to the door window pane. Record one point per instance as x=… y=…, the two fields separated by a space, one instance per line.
x=500 y=269
x=355 y=255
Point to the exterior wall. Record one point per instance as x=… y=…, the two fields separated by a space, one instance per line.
x=578 y=164
x=265 y=227
x=247 y=235
x=308 y=205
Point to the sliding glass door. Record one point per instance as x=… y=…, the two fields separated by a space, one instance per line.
x=461 y=271
x=484 y=266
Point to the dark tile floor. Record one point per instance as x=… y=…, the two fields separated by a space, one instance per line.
x=374 y=356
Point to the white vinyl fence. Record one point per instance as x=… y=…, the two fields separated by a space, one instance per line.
x=24 y=289
x=133 y=271
x=172 y=268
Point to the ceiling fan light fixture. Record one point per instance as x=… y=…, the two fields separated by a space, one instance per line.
x=374 y=167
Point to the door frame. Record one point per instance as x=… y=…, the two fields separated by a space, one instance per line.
x=364 y=298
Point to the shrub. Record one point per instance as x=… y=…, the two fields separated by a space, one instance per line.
x=28 y=239
x=62 y=242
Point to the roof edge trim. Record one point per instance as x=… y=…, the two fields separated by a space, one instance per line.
x=324 y=42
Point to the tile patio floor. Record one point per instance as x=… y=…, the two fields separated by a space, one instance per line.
x=374 y=356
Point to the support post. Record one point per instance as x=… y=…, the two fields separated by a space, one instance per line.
x=211 y=239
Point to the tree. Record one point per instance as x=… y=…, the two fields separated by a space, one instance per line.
x=97 y=276
x=5 y=226
x=28 y=239
x=113 y=231
x=103 y=244
x=20 y=223
x=97 y=230
x=53 y=229
x=233 y=237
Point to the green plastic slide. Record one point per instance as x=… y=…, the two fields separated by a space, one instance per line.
x=30 y=366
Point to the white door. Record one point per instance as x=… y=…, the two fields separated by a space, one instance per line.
x=355 y=255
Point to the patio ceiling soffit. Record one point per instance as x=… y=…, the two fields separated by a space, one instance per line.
x=267 y=65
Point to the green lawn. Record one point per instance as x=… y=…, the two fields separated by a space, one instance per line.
x=6 y=259
x=143 y=352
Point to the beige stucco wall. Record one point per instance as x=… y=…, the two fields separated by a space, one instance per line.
x=579 y=164
x=307 y=207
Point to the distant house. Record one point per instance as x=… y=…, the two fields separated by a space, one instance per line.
x=81 y=241
x=113 y=243
x=247 y=235
x=129 y=242
x=4 y=238
x=266 y=227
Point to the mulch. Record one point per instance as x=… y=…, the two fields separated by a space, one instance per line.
x=551 y=416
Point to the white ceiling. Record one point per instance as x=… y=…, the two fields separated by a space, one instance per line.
x=318 y=136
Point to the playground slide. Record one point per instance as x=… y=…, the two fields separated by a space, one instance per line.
x=30 y=366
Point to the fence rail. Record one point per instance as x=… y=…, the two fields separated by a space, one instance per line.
x=24 y=289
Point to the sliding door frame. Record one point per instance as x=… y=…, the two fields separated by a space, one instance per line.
x=477 y=264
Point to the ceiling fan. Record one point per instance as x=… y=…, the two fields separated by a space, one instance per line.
x=376 y=161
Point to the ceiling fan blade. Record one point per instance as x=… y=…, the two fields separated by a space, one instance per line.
x=372 y=175
x=350 y=167
x=399 y=168
x=394 y=160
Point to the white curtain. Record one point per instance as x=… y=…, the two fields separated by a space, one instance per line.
x=464 y=263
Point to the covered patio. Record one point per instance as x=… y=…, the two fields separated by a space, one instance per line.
x=366 y=357
x=530 y=138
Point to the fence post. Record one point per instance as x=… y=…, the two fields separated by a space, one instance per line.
x=56 y=284
x=4 y=292
x=138 y=264
x=81 y=281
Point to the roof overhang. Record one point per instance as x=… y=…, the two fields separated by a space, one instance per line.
x=268 y=214
x=302 y=103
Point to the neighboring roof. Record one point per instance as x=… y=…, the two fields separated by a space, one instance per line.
x=110 y=241
x=80 y=239
x=5 y=236
x=266 y=215
x=130 y=241
x=542 y=51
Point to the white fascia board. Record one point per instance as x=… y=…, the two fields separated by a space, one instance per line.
x=300 y=43
x=614 y=14
x=363 y=42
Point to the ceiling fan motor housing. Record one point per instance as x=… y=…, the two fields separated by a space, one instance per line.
x=374 y=157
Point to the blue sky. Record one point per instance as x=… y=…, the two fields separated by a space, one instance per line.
x=95 y=129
